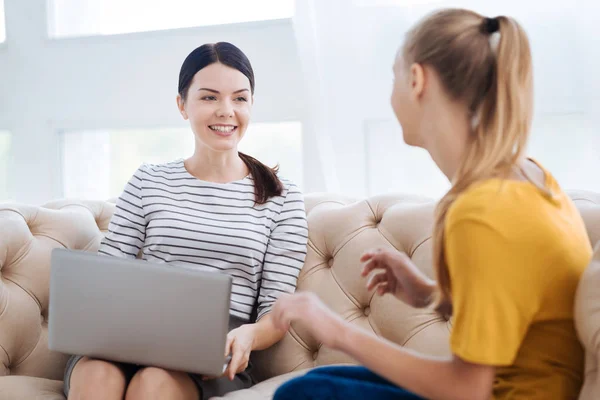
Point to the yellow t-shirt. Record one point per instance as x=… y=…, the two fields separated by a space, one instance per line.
x=515 y=256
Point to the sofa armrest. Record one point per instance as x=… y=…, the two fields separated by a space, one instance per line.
x=587 y=322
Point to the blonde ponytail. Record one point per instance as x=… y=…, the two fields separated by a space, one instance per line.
x=494 y=78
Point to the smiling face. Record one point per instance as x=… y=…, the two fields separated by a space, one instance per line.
x=218 y=104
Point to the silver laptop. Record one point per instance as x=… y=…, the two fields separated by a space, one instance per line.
x=138 y=312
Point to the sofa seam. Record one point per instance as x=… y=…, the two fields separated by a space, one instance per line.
x=419 y=331
x=7 y=357
x=33 y=297
x=26 y=357
x=419 y=245
x=293 y=335
x=371 y=208
x=348 y=295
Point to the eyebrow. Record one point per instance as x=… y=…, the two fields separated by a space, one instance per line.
x=216 y=91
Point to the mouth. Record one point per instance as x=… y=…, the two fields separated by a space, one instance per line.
x=223 y=130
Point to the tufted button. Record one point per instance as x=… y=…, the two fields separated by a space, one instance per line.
x=367 y=311
x=315 y=355
x=330 y=262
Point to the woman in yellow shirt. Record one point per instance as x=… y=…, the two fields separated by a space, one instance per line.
x=509 y=245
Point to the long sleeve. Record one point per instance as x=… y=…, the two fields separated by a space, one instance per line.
x=127 y=228
x=286 y=252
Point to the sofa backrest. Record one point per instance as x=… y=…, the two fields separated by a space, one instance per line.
x=340 y=230
x=27 y=237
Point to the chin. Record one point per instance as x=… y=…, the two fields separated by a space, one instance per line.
x=224 y=147
x=408 y=137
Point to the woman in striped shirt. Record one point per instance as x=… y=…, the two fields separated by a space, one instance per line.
x=219 y=210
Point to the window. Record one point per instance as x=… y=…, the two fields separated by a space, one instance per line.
x=566 y=144
x=97 y=164
x=2 y=23
x=109 y=17
x=4 y=160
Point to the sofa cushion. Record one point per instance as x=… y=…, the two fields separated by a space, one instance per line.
x=30 y=388
x=263 y=390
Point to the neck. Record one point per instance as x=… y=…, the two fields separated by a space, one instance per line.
x=448 y=139
x=215 y=166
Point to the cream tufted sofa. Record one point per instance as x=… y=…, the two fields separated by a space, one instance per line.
x=340 y=229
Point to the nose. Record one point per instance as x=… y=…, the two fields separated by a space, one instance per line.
x=225 y=109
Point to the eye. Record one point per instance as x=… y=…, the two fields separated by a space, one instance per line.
x=208 y=98
x=241 y=98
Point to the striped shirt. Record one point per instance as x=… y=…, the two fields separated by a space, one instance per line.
x=170 y=216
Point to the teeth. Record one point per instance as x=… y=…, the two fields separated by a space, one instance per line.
x=222 y=128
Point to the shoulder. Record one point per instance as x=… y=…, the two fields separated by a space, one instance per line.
x=167 y=169
x=291 y=192
x=175 y=166
x=493 y=202
x=289 y=187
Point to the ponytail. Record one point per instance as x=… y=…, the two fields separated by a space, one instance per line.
x=485 y=62
x=266 y=182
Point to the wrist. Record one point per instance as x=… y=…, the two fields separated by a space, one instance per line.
x=251 y=332
x=343 y=338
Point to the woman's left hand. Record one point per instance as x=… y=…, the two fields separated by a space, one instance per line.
x=239 y=344
x=308 y=310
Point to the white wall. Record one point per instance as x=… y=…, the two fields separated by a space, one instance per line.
x=329 y=67
x=123 y=81
x=358 y=42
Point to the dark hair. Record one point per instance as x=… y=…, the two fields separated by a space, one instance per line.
x=266 y=182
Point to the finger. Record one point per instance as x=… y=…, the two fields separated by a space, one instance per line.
x=368 y=267
x=243 y=366
x=372 y=264
x=377 y=279
x=234 y=364
x=367 y=256
x=383 y=289
x=228 y=345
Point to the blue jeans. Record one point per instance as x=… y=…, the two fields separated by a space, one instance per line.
x=336 y=383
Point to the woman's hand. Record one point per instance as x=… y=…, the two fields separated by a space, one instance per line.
x=307 y=309
x=399 y=276
x=240 y=343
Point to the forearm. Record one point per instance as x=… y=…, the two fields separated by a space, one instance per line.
x=429 y=377
x=265 y=333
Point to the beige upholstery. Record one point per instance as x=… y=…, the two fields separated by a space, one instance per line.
x=587 y=309
x=340 y=230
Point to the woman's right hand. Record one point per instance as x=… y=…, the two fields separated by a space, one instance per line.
x=396 y=274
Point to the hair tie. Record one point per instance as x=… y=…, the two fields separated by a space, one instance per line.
x=491 y=25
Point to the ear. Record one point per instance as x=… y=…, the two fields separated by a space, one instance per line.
x=181 y=107
x=417 y=81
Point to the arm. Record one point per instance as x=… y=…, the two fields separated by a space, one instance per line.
x=283 y=261
x=492 y=313
x=285 y=254
x=263 y=334
x=127 y=227
x=454 y=378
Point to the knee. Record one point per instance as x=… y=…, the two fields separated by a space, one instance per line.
x=153 y=383
x=97 y=378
